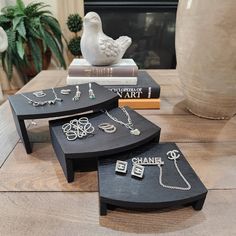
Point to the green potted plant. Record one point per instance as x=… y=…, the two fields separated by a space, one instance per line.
x=33 y=35
x=74 y=23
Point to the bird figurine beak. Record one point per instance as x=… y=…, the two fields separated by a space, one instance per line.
x=86 y=18
x=92 y=17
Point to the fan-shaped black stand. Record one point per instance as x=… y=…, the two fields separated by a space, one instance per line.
x=117 y=190
x=21 y=110
x=69 y=153
x=101 y=151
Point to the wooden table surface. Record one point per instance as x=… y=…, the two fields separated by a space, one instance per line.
x=35 y=198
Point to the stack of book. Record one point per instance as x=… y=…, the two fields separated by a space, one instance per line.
x=135 y=88
x=144 y=95
x=123 y=73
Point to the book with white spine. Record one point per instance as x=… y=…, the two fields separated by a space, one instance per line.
x=71 y=80
x=81 y=68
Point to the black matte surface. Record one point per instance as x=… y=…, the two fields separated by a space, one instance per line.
x=74 y=154
x=24 y=110
x=102 y=143
x=125 y=191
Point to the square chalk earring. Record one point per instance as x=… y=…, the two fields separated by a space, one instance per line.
x=121 y=167
x=137 y=171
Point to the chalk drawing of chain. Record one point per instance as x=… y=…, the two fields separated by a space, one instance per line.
x=173 y=155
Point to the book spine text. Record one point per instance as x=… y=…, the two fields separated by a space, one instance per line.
x=96 y=71
x=136 y=92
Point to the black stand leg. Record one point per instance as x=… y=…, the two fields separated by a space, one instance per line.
x=22 y=131
x=69 y=171
x=198 y=204
x=157 y=139
x=103 y=208
x=67 y=167
x=25 y=137
x=111 y=207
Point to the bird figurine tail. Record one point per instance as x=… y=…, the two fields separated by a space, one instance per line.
x=124 y=42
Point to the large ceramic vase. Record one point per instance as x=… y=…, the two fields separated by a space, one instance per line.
x=206 y=56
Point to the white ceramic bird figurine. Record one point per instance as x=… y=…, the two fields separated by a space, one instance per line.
x=96 y=47
x=3 y=40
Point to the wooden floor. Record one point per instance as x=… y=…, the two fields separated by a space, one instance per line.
x=35 y=198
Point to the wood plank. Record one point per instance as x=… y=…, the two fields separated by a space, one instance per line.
x=213 y=162
x=175 y=128
x=40 y=131
x=172 y=99
x=164 y=76
x=170 y=86
x=169 y=106
x=168 y=79
x=8 y=133
x=77 y=214
x=181 y=221
x=184 y=128
x=208 y=145
x=171 y=102
x=44 y=80
x=41 y=171
x=169 y=82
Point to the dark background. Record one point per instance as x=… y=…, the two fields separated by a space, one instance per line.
x=150 y=24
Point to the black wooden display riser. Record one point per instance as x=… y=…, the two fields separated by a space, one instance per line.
x=71 y=153
x=90 y=153
x=196 y=205
x=22 y=111
x=124 y=191
x=70 y=166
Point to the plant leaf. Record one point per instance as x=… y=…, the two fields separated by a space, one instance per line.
x=7 y=63
x=21 y=29
x=20 y=48
x=11 y=35
x=36 y=54
x=33 y=33
x=54 y=27
x=8 y=11
x=20 y=5
x=20 y=65
x=33 y=8
x=27 y=24
x=16 y=21
x=51 y=43
x=40 y=13
x=4 y=19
